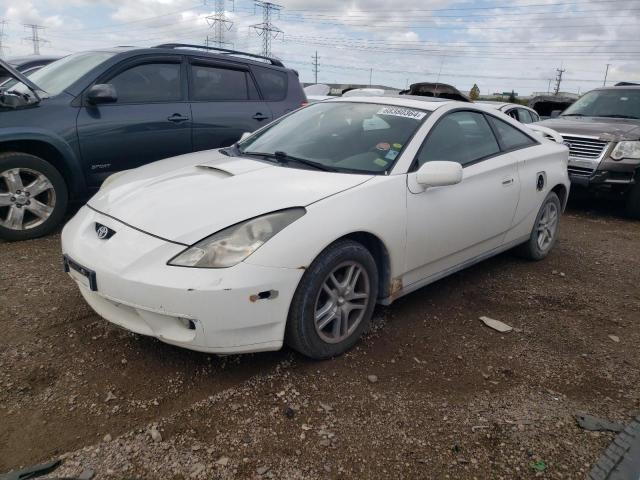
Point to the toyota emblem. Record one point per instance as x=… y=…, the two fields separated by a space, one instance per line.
x=103 y=232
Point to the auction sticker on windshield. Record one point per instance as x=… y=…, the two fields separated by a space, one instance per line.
x=402 y=112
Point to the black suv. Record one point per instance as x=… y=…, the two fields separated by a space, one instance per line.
x=76 y=121
x=602 y=131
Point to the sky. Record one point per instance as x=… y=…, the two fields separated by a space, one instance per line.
x=500 y=45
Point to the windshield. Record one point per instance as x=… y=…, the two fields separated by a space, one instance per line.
x=341 y=136
x=621 y=103
x=59 y=75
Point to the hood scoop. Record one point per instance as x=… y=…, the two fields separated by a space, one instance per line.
x=220 y=172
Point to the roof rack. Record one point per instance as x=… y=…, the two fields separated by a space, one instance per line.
x=273 y=61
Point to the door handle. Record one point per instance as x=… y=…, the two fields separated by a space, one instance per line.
x=177 y=118
x=259 y=116
x=507 y=181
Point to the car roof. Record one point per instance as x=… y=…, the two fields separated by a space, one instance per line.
x=201 y=51
x=18 y=61
x=619 y=87
x=410 y=101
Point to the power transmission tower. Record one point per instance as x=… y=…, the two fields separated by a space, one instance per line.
x=266 y=29
x=218 y=21
x=606 y=72
x=35 y=37
x=558 y=80
x=315 y=65
x=3 y=22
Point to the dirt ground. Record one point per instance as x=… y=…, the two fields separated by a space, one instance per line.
x=453 y=398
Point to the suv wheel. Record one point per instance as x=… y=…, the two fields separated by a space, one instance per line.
x=633 y=200
x=334 y=301
x=33 y=196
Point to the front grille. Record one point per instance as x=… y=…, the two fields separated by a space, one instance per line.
x=584 y=147
x=581 y=171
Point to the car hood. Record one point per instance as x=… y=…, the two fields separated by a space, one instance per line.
x=8 y=70
x=187 y=198
x=608 y=129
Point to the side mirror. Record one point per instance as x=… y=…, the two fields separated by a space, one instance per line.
x=439 y=174
x=102 y=93
x=244 y=135
x=555 y=113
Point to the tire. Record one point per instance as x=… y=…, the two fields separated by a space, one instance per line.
x=633 y=201
x=621 y=460
x=331 y=305
x=33 y=196
x=533 y=249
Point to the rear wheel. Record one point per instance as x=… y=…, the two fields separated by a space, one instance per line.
x=33 y=196
x=633 y=200
x=334 y=301
x=545 y=230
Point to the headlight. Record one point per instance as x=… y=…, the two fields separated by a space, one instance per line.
x=626 y=150
x=232 y=245
x=111 y=178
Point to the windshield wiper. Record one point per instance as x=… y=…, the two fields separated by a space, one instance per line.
x=284 y=158
x=619 y=116
x=572 y=115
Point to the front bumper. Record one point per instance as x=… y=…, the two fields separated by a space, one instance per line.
x=210 y=310
x=607 y=174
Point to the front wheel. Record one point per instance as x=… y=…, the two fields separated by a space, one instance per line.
x=545 y=230
x=334 y=301
x=33 y=196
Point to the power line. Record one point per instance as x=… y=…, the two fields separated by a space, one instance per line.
x=266 y=29
x=218 y=21
x=35 y=37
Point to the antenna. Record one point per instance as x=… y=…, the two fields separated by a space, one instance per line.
x=218 y=21
x=35 y=37
x=266 y=29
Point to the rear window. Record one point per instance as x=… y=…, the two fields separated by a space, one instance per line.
x=272 y=83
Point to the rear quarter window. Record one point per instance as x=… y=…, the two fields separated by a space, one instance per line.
x=273 y=83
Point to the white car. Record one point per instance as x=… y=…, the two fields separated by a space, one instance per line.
x=296 y=232
x=519 y=112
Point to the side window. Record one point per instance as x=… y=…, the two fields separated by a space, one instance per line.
x=150 y=82
x=534 y=116
x=510 y=136
x=463 y=137
x=218 y=84
x=513 y=113
x=524 y=116
x=273 y=83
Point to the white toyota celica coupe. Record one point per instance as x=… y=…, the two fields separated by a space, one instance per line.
x=296 y=232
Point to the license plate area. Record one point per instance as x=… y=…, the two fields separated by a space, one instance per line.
x=82 y=274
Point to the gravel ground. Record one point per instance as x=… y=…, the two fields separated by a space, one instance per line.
x=429 y=393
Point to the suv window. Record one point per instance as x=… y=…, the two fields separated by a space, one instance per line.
x=510 y=137
x=273 y=83
x=149 y=82
x=463 y=137
x=219 y=84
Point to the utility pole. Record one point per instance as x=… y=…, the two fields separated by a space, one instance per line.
x=606 y=72
x=549 y=85
x=35 y=37
x=266 y=29
x=558 y=79
x=3 y=22
x=370 y=76
x=315 y=65
x=218 y=21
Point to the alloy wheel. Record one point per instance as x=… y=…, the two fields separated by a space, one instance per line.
x=547 y=226
x=342 y=302
x=27 y=198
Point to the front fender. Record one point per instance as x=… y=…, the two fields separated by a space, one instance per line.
x=70 y=162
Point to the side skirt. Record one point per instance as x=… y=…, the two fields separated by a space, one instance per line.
x=445 y=273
